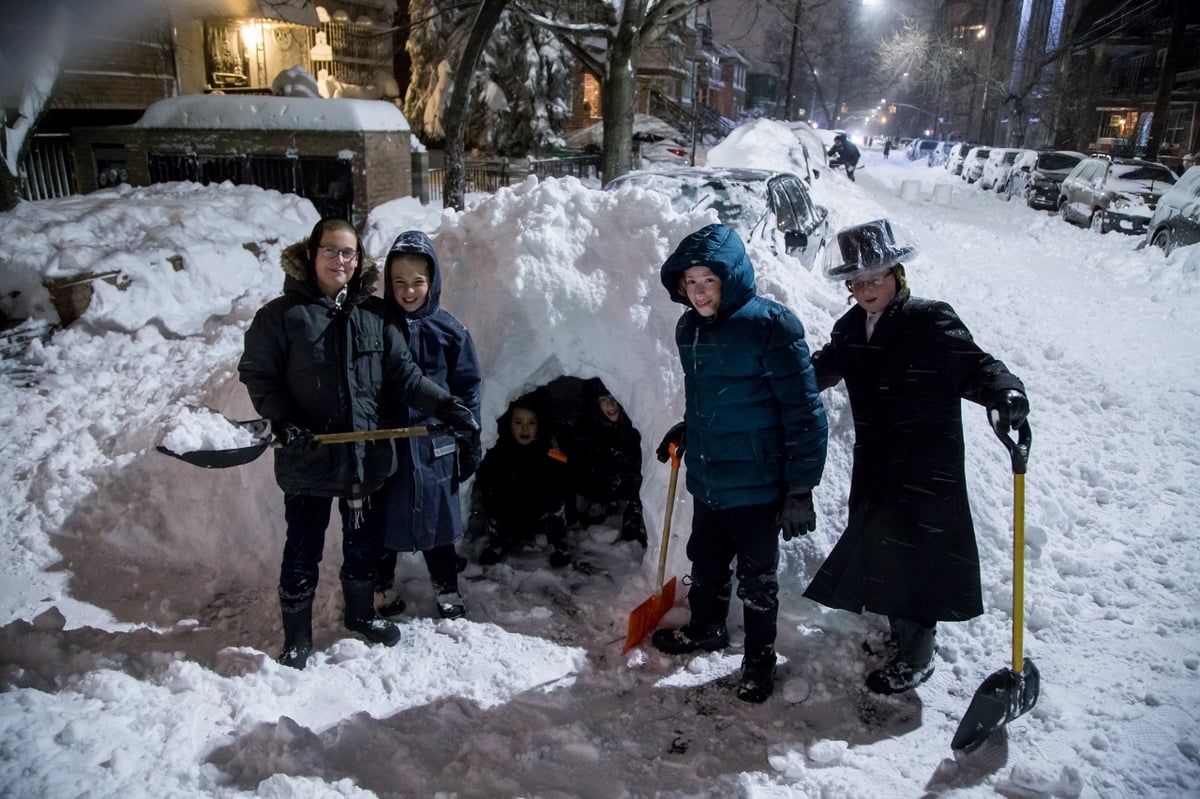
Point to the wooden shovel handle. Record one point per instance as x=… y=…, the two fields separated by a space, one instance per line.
x=377 y=435
x=662 y=551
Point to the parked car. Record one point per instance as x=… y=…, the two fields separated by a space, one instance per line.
x=997 y=166
x=662 y=152
x=958 y=153
x=938 y=155
x=1176 y=219
x=1036 y=176
x=920 y=148
x=774 y=207
x=1113 y=193
x=972 y=168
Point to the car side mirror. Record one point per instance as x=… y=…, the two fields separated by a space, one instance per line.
x=795 y=240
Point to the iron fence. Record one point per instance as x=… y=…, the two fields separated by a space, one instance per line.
x=47 y=170
x=325 y=181
x=483 y=177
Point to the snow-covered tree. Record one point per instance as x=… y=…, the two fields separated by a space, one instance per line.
x=520 y=90
x=608 y=37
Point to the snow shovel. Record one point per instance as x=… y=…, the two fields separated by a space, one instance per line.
x=261 y=429
x=646 y=616
x=1007 y=693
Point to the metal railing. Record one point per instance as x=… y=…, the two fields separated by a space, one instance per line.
x=481 y=177
x=326 y=181
x=46 y=171
x=577 y=166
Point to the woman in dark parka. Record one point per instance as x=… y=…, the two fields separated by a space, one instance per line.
x=908 y=551
x=319 y=359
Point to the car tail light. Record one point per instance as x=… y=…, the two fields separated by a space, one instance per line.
x=677 y=152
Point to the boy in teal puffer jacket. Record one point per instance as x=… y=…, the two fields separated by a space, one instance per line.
x=754 y=436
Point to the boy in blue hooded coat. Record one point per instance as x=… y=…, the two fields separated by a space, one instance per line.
x=754 y=436
x=422 y=511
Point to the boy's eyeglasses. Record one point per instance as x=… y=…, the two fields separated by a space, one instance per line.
x=348 y=255
x=869 y=283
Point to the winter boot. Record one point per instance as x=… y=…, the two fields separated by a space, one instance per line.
x=758 y=676
x=913 y=662
x=633 y=525
x=690 y=638
x=297 y=629
x=360 y=614
x=450 y=605
x=390 y=604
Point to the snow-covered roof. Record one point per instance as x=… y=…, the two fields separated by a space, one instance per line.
x=265 y=112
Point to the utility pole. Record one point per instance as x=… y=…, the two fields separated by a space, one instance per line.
x=1162 y=103
x=791 y=71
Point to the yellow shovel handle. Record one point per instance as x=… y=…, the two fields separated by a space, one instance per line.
x=1018 y=571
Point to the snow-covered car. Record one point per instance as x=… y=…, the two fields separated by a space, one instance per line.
x=1176 y=219
x=997 y=167
x=920 y=148
x=1036 y=176
x=774 y=207
x=938 y=155
x=1113 y=193
x=972 y=167
x=663 y=152
x=958 y=153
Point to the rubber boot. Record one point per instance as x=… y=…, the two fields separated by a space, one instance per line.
x=297 y=629
x=442 y=563
x=757 y=682
x=360 y=613
x=706 y=630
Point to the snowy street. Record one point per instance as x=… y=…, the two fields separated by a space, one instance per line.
x=138 y=613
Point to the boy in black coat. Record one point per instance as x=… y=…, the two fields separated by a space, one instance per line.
x=522 y=484
x=605 y=451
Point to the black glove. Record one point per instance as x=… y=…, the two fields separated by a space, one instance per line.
x=458 y=417
x=292 y=439
x=797 y=516
x=677 y=435
x=470 y=453
x=1008 y=411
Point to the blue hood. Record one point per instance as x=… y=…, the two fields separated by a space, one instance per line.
x=721 y=250
x=414 y=242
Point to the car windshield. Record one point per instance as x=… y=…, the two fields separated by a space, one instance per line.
x=1057 y=161
x=1145 y=174
x=738 y=204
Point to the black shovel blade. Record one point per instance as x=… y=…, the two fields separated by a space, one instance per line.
x=225 y=458
x=218 y=458
x=1004 y=696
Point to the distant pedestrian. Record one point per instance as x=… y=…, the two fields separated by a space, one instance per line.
x=908 y=551
x=844 y=153
x=887 y=147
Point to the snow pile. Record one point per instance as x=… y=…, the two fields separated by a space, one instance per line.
x=140 y=617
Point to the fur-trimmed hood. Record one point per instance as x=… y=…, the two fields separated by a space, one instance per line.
x=296 y=265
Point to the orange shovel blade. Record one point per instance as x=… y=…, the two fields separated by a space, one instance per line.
x=645 y=617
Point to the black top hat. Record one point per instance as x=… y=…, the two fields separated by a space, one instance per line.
x=865 y=248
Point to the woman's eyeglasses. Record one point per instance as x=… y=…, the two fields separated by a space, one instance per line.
x=346 y=254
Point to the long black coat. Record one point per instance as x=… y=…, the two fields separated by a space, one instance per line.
x=909 y=546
